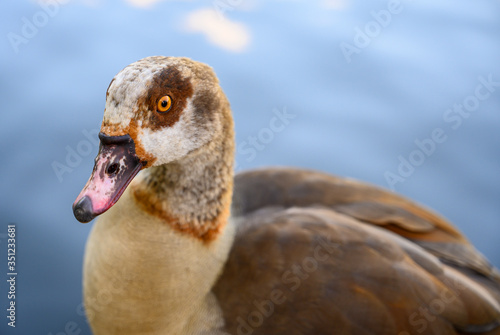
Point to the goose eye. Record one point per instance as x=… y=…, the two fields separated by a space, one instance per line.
x=164 y=104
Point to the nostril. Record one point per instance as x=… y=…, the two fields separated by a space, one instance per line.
x=113 y=168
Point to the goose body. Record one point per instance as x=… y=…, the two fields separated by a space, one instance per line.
x=191 y=249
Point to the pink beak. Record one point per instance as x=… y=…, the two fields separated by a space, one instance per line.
x=115 y=166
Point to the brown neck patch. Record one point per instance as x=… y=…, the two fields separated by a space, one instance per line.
x=202 y=228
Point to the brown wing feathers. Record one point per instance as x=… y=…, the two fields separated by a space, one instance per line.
x=366 y=203
x=328 y=268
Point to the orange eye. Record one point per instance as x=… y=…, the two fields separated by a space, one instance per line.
x=164 y=104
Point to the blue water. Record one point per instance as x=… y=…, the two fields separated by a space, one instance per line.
x=393 y=103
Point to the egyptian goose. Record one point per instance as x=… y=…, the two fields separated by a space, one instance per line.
x=191 y=249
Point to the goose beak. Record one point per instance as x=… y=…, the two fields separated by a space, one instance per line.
x=115 y=166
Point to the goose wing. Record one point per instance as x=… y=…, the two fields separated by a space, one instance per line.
x=316 y=254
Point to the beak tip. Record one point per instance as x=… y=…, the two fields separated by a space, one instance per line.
x=82 y=209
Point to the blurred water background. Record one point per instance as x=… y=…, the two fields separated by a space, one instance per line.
x=402 y=94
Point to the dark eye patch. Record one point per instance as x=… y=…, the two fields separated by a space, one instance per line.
x=168 y=81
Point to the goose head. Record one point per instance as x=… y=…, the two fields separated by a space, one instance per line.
x=158 y=110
